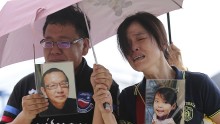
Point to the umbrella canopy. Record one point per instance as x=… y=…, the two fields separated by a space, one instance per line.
x=18 y=13
x=21 y=27
x=106 y=15
x=17 y=21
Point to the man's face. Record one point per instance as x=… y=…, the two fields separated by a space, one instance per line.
x=56 y=88
x=57 y=32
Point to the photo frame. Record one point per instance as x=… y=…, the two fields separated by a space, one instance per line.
x=165 y=100
x=56 y=81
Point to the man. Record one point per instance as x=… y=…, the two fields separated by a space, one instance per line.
x=55 y=86
x=65 y=39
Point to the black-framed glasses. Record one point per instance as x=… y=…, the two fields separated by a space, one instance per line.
x=61 y=44
x=55 y=85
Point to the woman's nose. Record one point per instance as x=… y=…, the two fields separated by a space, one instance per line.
x=135 y=48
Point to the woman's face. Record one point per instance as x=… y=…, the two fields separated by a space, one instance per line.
x=144 y=53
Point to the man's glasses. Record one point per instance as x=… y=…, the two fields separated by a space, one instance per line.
x=61 y=44
x=55 y=85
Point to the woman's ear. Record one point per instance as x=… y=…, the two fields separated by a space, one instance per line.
x=85 y=46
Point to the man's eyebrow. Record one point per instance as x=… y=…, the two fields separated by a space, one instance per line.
x=65 y=37
x=48 y=37
x=60 y=37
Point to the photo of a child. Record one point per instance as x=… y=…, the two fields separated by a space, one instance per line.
x=165 y=106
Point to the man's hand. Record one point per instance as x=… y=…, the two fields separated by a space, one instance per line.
x=32 y=105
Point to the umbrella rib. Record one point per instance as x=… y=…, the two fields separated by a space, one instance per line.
x=93 y=50
x=177 y=3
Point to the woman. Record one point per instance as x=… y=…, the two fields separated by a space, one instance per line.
x=142 y=41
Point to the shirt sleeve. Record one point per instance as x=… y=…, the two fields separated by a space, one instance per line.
x=14 y=105
x=12 y=109
x=211 y=97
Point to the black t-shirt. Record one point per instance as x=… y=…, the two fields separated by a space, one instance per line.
x=68 y=108
x=84 y=92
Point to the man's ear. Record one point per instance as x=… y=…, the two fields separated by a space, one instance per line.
x=44 y=92
x=85 y=46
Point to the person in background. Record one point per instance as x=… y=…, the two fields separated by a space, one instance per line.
x=142 y=41
x=175 y=57
x=66 y=38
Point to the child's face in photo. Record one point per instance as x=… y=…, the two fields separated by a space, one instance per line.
x=161 y=107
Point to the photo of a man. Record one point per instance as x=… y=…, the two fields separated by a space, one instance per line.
x=55 y=86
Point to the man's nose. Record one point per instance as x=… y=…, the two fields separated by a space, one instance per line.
x=55 y=49
x=59 y=88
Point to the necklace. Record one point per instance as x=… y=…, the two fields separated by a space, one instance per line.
x=137 y=91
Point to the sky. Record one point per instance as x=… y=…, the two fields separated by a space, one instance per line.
x=194 y=28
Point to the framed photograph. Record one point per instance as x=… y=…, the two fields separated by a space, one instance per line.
x=56 y=81
x=165 y=100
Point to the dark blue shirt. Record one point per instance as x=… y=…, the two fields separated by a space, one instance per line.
x=202 y=96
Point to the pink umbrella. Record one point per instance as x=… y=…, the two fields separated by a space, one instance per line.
x=17 y=19
x=106 y=15
x=19 y=16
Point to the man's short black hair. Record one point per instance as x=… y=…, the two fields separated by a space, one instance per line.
x=69 y=15
x=50 y=71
